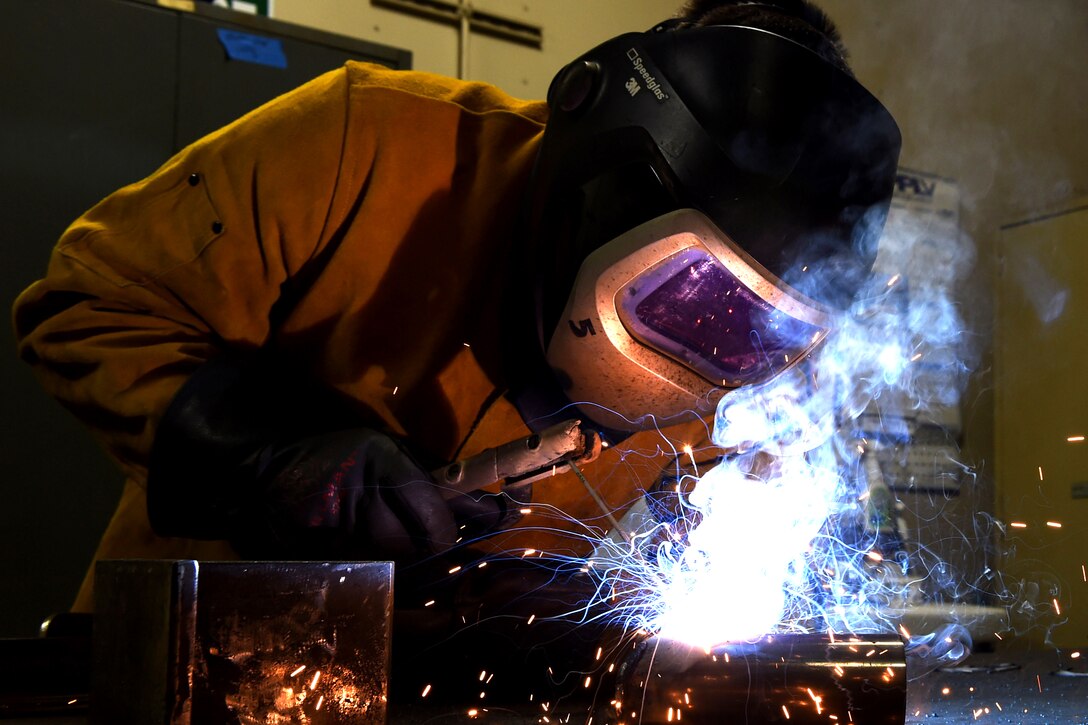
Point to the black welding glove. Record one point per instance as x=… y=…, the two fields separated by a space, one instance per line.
x=248 y=453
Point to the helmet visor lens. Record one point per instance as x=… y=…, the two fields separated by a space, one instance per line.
x=692 y=308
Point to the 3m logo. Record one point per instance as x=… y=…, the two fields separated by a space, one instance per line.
x=632 y=86
x=583 y=328
x=648 y=79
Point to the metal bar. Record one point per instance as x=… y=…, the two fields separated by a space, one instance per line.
x=464 y=19
x=799 y=678
x=450 y=13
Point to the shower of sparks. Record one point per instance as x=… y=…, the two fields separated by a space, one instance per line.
x=789 y=532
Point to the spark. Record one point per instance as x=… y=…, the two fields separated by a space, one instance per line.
x=531 y=618
x=73 y=701
x=1054 y=524
x=526 y=511
x=691 y=455
x=1083 y=573
x=465 y=344
x=313 y=682
x=1018 y=525
x=816 y=699
x=483 y=674
x=426 y=691
x=395 y=389
x=903 y=630
x=785 y=712
x=1075 y=439
x=1057 y=609
x=895 y=278
x=320 y=700
x=588 y=680
x=916 y=357
x=298 y=670
x=1040 y=473
x=998 y=705
x=1074 y=655
x=946 y=690
x=528 y=552
x=875 y=556
x=481 y=565
x=455 y=569
x=1039 y=682
x=429 y=603
x=473 y=712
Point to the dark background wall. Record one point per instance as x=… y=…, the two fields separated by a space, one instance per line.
x=97 y=94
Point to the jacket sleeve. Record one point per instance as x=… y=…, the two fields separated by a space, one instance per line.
x=198 y=258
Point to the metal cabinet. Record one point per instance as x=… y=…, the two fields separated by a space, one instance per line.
x=96 y=94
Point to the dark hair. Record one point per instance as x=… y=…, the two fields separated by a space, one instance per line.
x=798 y=20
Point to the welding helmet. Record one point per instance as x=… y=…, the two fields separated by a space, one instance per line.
x=704 y=201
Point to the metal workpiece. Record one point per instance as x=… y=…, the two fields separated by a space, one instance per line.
x=794 y=678
x=187 y=642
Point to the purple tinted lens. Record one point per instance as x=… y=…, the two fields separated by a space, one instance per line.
x=697 y=312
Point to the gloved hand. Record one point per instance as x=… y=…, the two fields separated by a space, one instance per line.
x=358 y=494
x=248 y=452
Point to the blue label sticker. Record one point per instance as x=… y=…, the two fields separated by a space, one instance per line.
x=252 y=48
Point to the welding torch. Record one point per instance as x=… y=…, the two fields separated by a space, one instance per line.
x=521 y=462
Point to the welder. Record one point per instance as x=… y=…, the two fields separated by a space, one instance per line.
x=281 y=330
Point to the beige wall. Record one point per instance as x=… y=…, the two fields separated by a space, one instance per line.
x=570 y=28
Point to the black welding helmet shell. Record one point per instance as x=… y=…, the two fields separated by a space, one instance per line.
x=784 y=157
